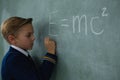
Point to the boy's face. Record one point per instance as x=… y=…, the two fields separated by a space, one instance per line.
x=25 y=37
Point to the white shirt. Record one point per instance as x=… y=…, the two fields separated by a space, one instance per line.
x=21 y=50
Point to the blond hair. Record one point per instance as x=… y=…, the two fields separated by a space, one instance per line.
x=12 y=25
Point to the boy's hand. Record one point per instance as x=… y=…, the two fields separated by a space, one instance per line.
x=50 y=45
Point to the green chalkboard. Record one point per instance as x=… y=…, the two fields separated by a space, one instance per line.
x=87 y=33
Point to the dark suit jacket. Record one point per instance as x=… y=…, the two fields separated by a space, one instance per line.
x=17 y=66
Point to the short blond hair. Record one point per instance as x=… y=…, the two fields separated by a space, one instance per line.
x=12 y=25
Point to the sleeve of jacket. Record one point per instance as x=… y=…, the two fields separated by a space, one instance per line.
x=49 y=60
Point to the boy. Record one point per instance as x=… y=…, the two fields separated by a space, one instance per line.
x=17 y=63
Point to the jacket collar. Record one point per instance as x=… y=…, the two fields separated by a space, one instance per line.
x=20 y=50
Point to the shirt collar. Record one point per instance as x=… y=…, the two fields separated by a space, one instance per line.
x=21 y=50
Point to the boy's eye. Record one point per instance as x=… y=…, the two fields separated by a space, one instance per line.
x=28 y=35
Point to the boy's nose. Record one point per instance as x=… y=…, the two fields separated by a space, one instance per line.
x=33 y=37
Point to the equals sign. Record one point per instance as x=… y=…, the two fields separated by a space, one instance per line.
x=64 y=25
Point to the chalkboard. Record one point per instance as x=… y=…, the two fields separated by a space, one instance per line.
x=87 y=33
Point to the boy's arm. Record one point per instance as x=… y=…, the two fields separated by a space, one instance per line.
x=49 y=60
x=46 y=69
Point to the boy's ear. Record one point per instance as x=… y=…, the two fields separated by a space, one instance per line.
x=11 y=39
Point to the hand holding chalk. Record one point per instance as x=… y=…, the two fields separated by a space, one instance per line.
x=50 y=45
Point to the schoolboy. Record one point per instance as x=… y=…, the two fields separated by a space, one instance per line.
x=17 y=63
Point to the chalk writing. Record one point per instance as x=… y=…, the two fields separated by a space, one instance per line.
x=78 y=18
x=51 y=23
x=104 y=12
x=64 y=25
x=77 y=22
x=91 y=24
